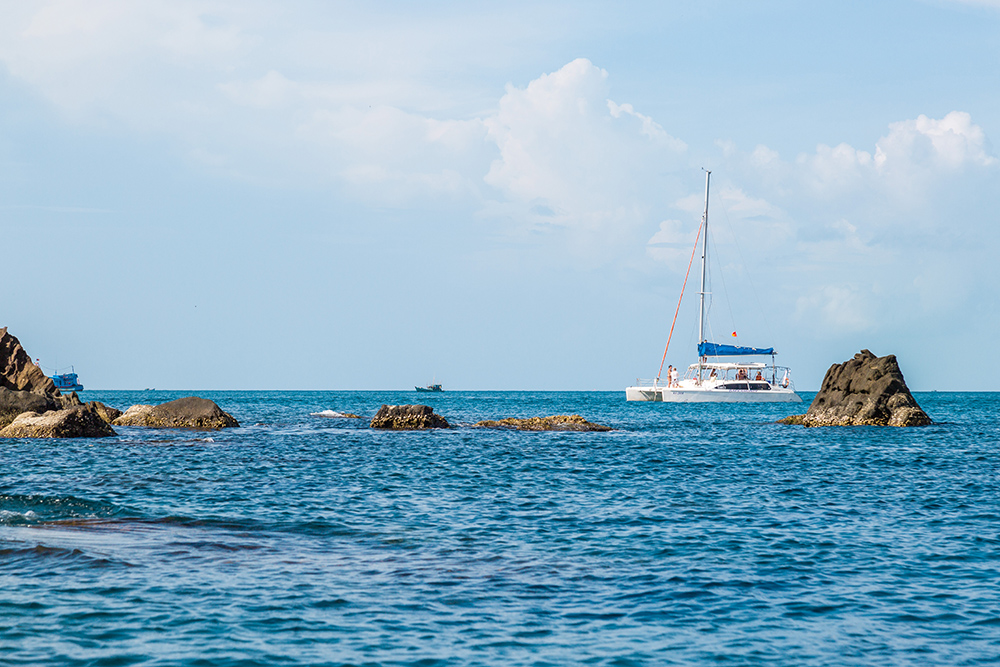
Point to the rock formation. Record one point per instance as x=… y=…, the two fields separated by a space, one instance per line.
x=19 y=372
x=864 y=391
x=106 y=413
x=75 y=422
x=23 y=385
x=554 y=423
x=408 y=417
x=13 y=403
x=188 y=412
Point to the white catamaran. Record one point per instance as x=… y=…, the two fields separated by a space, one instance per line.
x=711 y=380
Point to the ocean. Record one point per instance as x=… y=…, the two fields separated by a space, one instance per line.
x=688 y=535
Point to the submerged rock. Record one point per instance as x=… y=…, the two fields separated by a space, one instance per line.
x=188 y=412
x=408 y=417
x=863 y=391
x=76 y=422
x=553 y=423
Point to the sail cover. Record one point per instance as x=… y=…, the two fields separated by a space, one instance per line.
x=707 y=349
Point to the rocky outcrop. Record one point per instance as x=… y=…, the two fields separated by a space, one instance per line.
x=134 y=416
x=105 y=412
x=19 y=372
x=13 y=403
x=408 y=417
x=77 y=422
x=23 y=385
x=864 y=391
x=554 y=423
x=188 y=412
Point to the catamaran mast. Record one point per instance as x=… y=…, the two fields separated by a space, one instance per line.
x=704 y=268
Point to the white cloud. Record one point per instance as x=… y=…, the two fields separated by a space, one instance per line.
x=673 y=244
x=352 y=105
x=837 y=309
x=568 y=151
x=946 y=144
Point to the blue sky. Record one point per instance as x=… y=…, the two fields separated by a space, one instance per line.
x=321 y=195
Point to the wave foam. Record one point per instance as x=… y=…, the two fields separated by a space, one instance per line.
x=329 y=414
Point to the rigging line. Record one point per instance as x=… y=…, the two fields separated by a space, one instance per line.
x=683 y=287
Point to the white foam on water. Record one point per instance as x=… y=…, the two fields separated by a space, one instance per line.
x=329 y=414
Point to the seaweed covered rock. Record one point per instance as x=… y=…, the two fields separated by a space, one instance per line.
x=76 y=422
x=863 y=391
x=408 y=417
x=553 y=423
x=187 y=412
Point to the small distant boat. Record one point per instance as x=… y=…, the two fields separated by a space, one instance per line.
x=67 y=381
x=430 y=387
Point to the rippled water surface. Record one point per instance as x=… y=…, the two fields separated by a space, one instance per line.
x=688 y=535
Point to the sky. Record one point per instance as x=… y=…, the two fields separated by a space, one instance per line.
x=322 y=195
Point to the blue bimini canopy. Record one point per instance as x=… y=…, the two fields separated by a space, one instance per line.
x=707 y=349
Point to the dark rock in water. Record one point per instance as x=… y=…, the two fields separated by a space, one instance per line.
x=188 y=412
x=106 y=413
x=408 y=417
x=554 y=423
x=13 y=403
x=19 y=372
x=23 y=385
x=76 y=422
x=864 y=391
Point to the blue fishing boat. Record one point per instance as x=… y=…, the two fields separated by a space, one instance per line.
x=430 y=387
x=67 y=381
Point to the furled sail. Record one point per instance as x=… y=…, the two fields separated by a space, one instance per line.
x=707 y=349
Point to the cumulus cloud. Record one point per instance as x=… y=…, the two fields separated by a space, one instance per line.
x=913 y=154
x=571 y=157
x=950 y=143
x=557 y=155
x=837 y=309
x=871 y=235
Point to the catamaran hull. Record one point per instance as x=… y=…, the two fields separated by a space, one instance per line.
x=675 y=395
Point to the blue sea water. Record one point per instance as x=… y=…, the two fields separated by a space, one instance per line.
x=691 y=534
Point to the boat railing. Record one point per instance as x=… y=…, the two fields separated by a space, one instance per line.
x=662 y=382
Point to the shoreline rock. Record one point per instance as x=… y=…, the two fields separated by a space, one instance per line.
x=408 y=418
x=863 y=391
x=24 y=387
x=75 y=422
x=14 y=403
x=553 y=423
x=105 y=412
x=188 y=412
